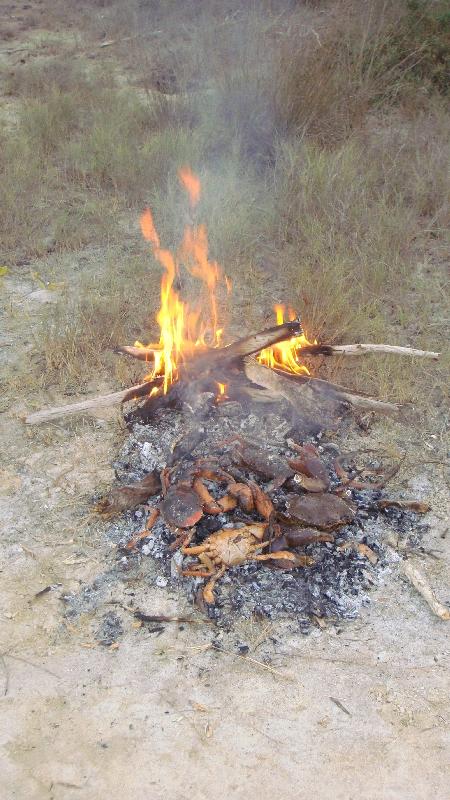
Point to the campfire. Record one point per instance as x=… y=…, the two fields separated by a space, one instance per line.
x=228 y=441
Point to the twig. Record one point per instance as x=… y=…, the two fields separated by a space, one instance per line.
x=253 y=661
x=6 y=671
x=340 y=705
x=423 y=587
x=163 y=618
x=7 y=654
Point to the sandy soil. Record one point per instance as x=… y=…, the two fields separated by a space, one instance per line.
x=164 y=714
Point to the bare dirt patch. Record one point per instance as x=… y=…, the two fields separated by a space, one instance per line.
x=354 y=709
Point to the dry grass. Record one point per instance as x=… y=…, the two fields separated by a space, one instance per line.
x=84 y=147
x=322 y=151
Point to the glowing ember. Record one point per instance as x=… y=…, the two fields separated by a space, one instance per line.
x=184 y=330
x=222 y=392
x=285 y=355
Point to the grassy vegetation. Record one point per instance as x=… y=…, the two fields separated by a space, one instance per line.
x=322 y=148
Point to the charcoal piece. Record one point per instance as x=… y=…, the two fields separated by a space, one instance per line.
x=325 y=511
x=186 y=446
x=181 y=507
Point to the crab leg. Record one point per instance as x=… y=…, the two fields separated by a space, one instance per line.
x=208 y=593
x=195 y=550
x=202 y=570
x=300 y=561
x=183 y=539
x=196 y=572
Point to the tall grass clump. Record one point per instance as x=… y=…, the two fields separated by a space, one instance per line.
x=83 y=145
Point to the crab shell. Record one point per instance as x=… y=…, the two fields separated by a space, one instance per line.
x=234 y=546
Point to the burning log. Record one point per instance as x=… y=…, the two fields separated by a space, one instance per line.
x=202 y=372
x=243 y=347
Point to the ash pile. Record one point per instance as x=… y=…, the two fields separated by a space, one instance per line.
x=250 y=514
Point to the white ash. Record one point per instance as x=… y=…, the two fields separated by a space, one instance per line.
x=336 y=586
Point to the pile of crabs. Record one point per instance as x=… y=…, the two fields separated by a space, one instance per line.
x=246 y=503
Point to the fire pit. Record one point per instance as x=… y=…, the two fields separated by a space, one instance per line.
x=232 y=478
x=319 y=520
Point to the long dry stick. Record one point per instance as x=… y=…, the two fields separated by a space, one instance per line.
x=420 y=583
x=362 y=349
x=101 y=401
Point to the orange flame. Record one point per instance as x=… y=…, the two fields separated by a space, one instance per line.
x=284 y=355
x=191 y=183
x=183 y=329
x=222 y=387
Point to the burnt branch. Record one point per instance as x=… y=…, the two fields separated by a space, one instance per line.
x=303 y=392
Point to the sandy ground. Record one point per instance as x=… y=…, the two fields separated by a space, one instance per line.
x=164 y=714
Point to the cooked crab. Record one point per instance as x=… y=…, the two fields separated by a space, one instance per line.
x=229 y=548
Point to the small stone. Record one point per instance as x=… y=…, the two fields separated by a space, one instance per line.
x=175 y=564
x=161 y=582
x=49 y=244
x=42 y=296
